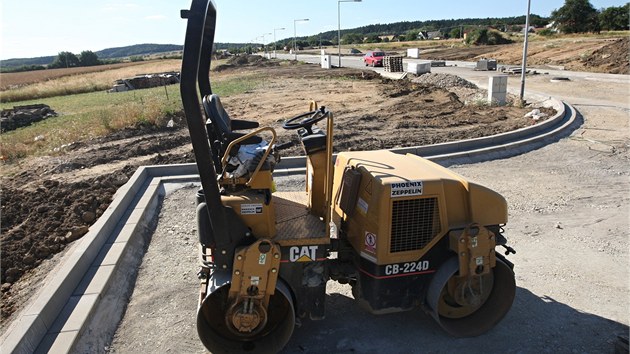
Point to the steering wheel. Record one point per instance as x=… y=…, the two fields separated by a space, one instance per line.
x=306 y=120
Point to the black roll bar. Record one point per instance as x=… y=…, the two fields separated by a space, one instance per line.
x=195 y=71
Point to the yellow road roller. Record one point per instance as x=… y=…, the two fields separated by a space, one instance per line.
x=404 y=232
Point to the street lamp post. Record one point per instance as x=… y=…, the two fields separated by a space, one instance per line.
x=263 y=42
x=295 y=35
x=339 y=26
x=274 y=39
x=524 y=64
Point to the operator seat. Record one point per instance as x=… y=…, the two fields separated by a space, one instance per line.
x=220 y=129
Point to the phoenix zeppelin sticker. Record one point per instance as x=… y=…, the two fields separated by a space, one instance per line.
x=405 y=189
x=362 y=205
x=251 y=209
x=370 y=242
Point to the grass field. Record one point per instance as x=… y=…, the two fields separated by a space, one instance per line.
x=89 y=115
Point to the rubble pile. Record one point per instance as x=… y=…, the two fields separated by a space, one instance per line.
x=22 y=116
x=444 y=81
x=146 y=81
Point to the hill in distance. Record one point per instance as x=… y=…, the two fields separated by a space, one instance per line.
x=109 y=53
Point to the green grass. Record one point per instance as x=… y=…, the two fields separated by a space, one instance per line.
x=90 y=115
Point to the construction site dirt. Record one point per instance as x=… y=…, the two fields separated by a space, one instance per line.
x=48 y=202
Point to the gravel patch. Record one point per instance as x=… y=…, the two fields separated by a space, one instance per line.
x=445 y=81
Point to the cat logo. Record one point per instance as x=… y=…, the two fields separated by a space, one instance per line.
x=302 y=254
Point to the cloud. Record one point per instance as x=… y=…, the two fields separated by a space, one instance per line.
x=155 y=17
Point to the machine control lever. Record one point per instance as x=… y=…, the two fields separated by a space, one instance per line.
x=508 y=250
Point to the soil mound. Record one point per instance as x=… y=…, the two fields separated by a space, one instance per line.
x=39 y=222
x=246 y=60
x=614 y=57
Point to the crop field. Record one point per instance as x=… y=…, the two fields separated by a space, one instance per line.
x=15 y=80
x=59 y=82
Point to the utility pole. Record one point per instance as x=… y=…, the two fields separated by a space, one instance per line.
x=339 y=26
x=524 y=65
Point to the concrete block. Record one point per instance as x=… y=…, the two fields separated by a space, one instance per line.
x=123 y=233
x=74 y=314
x=497 y=89
x=95 y=280
x=23 y=335
x=326 y=61
x=413 y=53
x=111 y=254
x=58 y=343
x=419 y=68
x=60 y=286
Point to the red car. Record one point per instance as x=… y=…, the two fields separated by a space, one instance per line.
x=374 y=58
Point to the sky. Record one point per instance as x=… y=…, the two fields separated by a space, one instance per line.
x=32 y=28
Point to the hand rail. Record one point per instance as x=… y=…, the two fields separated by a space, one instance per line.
x=244 y=137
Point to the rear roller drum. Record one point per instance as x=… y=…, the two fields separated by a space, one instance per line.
x=468 y=307
x=243 y=328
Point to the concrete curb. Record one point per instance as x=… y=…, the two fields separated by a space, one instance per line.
x=477 y=149
x=67 y=302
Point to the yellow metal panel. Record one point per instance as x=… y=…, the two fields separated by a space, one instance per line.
x=251 y=208
x=387 y=178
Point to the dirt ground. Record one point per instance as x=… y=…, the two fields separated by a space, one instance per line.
x=580 y=54
x=48 y=202
x=568 y=221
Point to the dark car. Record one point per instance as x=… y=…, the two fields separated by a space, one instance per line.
x=374 y=58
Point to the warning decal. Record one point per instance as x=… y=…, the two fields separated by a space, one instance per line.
x=370 y=242
x=405 y=189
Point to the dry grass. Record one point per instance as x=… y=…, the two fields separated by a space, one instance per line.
x=84 y=82
x=88 y=115
x=85 y=116
x=15 y=80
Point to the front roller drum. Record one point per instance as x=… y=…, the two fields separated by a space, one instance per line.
x=468 y=307
x=270 y=329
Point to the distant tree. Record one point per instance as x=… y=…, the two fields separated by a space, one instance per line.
x=22 y=68
x=576 y=16
x=546 y=32
x=516 y=28
x=412 y=35
x=373 y=39
x=615 y=18
x=88 y=58
x=65 y=60
x=313 y=41
x=351 y=38
x=482 y=36
x=455 y=32
x=402 y=38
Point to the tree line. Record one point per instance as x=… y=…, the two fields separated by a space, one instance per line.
x=64 y=59
x=579 y=16
x=576 y=16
